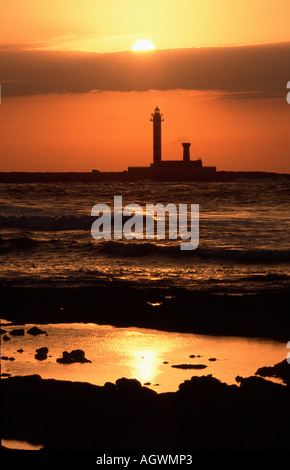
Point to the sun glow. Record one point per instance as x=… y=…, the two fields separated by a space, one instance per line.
x=145 y=365
x=143 y=45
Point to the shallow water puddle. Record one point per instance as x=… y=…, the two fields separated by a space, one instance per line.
x=144 y=354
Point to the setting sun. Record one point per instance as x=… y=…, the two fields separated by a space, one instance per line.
x=143 y=45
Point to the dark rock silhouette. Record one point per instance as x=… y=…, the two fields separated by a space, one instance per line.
x=2 y=332
x=34 y=331
x=212 y=359
x=189 y=366
x=280 y=370
x=203 y=414
x=17 y=332
x=41 y=354
x=110 y=387
x=131 y=386
x=6 y=358
x=205 y=385
x=6 y=338
x=192 y=356
x=74 y=356
x=260 y=315
x=20 y=350
x=258 y=385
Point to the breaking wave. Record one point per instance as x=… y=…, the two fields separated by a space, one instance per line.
x=139 y=248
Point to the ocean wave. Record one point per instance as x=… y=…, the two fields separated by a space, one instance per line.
x=250 y=255
x=47 y=223
x=53 y=222
x=269 y=277
x=141 y=248
x=137 y=249
x=18 y=243
x=70 y=222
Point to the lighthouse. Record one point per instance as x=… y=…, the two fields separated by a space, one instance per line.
x=156 y=118
x=186 y=155
x=170 y=170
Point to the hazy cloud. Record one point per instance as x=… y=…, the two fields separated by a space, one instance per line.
x=236 y=72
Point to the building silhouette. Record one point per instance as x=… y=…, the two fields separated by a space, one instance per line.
x=156 y=118
x=159 y=169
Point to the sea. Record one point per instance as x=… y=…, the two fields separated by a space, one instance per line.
x=244 y=236
x=46 y=241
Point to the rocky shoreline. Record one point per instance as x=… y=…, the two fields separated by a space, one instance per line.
x=203 y=414
x=261 y=315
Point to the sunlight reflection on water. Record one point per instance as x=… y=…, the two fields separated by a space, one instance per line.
x=19 y=445
x=144 y=354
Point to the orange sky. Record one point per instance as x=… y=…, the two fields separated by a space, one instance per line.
x=231 y=104
x=111 y=25
x=112 y=130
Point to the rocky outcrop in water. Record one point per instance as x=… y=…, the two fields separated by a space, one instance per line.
x=41 y=354
x=189 y=366
x=78 y=355
x=280 y=371
x=34 y=331
x=17 y=332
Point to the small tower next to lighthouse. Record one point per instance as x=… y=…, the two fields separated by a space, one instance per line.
x=157 y=118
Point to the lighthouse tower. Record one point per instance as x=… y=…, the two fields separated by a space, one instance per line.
x=157 y=118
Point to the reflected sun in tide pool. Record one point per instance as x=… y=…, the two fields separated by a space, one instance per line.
x=145 y=365
x=144 y=354
x=136 y=353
